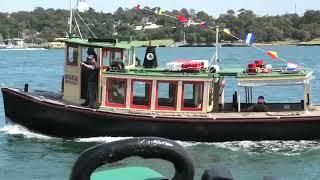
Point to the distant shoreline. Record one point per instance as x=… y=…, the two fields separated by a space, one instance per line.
x=230 y=44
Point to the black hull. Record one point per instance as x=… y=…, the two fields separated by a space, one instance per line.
x=72 y=122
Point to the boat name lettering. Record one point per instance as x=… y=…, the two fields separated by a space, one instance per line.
x=71 y=79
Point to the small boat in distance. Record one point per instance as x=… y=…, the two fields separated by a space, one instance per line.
x=18 y=44
x=184 y=100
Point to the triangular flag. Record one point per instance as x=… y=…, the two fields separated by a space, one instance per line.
x=204 y=25
x=188 y=23
x=182 y=19
x=249 y=38
x=227 y=31
x=160 y=12
x=138 y=8
x=273 y=55
x=291 y=66
x=83 y=5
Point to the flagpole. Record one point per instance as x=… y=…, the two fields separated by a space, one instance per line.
x=70 y=19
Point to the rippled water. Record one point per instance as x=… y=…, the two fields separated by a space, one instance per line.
x=28 y=155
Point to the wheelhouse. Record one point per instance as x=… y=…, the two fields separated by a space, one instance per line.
x=125 y=84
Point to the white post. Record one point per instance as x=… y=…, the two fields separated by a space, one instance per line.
x=238 y=99
x=217 y=44
x=221 y=95
x=305 y=96
x=70 y=19
x=309 y=92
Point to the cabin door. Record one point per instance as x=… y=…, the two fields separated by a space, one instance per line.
x=72 y=75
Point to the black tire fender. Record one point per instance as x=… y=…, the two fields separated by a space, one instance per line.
x=145 y=147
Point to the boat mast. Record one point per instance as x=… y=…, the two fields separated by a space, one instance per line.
x=70 y=19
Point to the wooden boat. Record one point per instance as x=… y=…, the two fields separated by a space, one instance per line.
x=183 y=101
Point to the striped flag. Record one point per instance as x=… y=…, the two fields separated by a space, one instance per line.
x=273 y=55
x=249 y=38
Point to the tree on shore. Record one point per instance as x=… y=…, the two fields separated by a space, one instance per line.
x=42 y=25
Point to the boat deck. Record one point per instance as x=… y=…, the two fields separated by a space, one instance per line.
x=56 y=98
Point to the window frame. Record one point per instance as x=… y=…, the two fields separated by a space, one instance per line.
x=182 y=96
x=157 y=107
x=110 y=104
x=150 y=93
x=67 y=56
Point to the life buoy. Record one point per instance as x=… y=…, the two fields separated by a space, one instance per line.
x=150 y=56
x=145 y=147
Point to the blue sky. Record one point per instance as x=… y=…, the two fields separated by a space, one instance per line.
x=212 y=7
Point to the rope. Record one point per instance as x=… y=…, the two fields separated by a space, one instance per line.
x=75 y=19
x=85 y=24
x=252 y=45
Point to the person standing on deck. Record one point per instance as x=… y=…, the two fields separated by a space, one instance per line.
x=260 y=106
x=91 y=67
x=91 y=51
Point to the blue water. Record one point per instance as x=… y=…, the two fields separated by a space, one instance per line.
x=27 y=155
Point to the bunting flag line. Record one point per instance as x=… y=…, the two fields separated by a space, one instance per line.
x=185 y=21
x=249 y=38
x=273 y=55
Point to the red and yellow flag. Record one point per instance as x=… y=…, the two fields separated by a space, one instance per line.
x=273 y=55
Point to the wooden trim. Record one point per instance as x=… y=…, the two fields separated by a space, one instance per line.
x=153 y=97
x=157 y=93
x=110 y=104
x=159 y=78
x=205 y=96
x=129 y=99
x=100 y=79
x=131 y=94
x=103 y=91
x=179 y=96
x=182 y=95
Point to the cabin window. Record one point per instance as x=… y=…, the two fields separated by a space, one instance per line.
x=116 y=92
x=141 y=94
x=86 y=51
x=72 y=56
x=166 y=98
x=117 y=55
x=192 y=96
x=106 y=57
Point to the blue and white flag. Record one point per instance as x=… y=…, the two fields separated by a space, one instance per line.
x=249 y=38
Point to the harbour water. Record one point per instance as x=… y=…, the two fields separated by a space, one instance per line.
x=26 y=155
